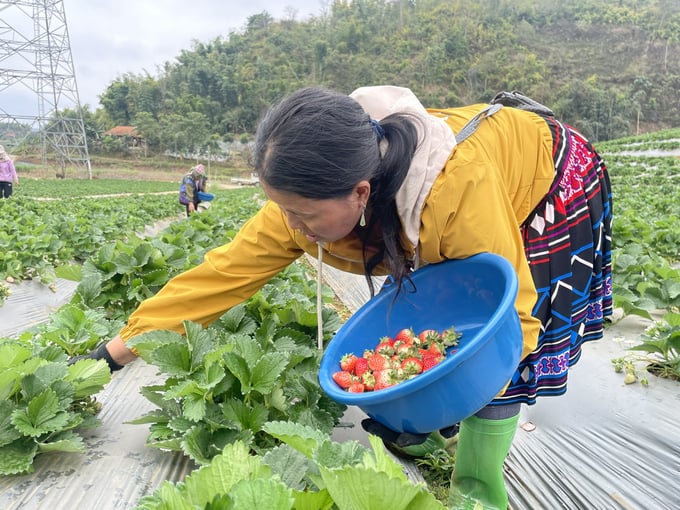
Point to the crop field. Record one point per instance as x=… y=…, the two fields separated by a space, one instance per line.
x=241 y=397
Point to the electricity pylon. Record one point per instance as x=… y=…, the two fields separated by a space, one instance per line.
x=38 y=92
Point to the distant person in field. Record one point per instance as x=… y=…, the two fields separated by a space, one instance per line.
x=193 y=182
x=376 y=184
x=8 y=174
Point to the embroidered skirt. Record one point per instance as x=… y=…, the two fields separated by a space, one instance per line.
x=567 y=241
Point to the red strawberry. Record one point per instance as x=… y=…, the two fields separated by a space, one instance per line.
x=385 y=347
x=437 y=349
x=356 y=387
x=429 y=335
x=430 y=361
x=347 y=362
x=378 y=362
x=360 y=366
x=406 y=351
x=406 y=335
x=385 y=378
x=412 y=366
x=343 y=379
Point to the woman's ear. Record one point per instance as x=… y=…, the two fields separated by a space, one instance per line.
x=363 y=190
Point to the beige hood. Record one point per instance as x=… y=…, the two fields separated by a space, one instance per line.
x=436 y=142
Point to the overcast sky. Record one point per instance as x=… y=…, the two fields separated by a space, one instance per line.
x=112 y=37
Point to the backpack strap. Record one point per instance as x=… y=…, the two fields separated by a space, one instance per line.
x=518 y=100
x=512 y=99
x=474 y=122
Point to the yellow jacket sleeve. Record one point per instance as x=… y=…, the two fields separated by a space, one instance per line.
x=227 y=276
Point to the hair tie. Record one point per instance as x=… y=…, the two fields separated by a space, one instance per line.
x=378 y=129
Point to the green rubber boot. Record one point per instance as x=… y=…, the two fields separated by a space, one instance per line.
x=477 y=480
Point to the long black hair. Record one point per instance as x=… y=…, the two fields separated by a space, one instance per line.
x=319 y=144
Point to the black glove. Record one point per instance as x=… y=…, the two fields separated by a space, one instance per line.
x=100 y=352
x=410 y=445
x=400 y=439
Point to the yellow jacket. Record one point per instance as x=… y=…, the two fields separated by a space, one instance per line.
x=474 y=201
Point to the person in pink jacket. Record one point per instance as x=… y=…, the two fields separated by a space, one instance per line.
x=376 y=184
x=8 y=174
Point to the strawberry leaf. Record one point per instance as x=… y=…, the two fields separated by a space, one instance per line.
x=41 y=416
x=234 y=464
x=267 y=371
x=63 y=442
x=262 y=493
x=303 y=438
x=12 y=354
x=8 y=433
x=172 y=359
x=238 y=366
x=88 y=377
x=199 y=342
x=246 y=417
x=289 y=464
x=194 y=407
x=318 y=500
x=17 y=457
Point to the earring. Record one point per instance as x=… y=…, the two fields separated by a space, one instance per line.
x=362 y=220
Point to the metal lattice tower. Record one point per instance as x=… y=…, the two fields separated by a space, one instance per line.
x=36 y=66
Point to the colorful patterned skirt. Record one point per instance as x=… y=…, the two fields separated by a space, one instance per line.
x=567 y=241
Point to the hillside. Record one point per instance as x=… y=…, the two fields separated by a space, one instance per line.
x=612 y=69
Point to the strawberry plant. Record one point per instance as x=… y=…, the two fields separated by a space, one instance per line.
x=307 y=470
x=44 y=402
x=658 y=351
x=253 y=365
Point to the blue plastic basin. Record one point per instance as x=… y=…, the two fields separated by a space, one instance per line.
x=476 y=296
x=205 y=197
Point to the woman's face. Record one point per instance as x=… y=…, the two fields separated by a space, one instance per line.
x=321 y=220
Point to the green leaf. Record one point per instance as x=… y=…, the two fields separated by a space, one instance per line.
x=290 y=465
x=17 y=457
x=155 y=394
x=166 y=497
x=12 y=354
x=88 y=377
x=238 y=366
x=10 y=382
x=146 y=343
x=234 y=464
x=172 y=359
x=73 y=272
x=194 y=407
x=267 y=371
x=320 y=500
x=64 y=442
x=199 y=341
x=41 y=415
x=259 y=493
x=8 y=433
x=361 y=488
x=300 y=437
x=332 y=454
x=247 y=348
x=248 y=417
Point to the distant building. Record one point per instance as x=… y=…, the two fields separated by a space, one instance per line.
x=127 y=134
